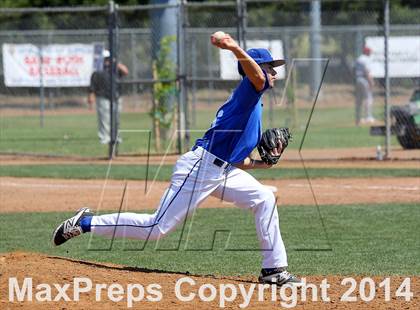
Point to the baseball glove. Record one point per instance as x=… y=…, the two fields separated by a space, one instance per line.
x=270 y=141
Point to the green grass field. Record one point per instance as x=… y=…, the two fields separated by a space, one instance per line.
x=75 y=135
x=365 y=239
x=164 y=172
x=361 y=239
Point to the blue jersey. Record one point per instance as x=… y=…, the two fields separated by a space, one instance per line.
x=237 y=128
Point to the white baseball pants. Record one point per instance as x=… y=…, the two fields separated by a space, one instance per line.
x=364 y=99
x=194 y=178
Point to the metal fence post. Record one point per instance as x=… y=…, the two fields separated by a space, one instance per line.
x=194 y=82
x=241 y=25
x=387 y=81
x=113 y=76
x=183 y=55
x=133 y=62
x=41 y=86
x=210 y=90
x=315 y=45
x=182 y=95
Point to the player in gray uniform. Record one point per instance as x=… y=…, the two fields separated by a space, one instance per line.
x=215 y=166
x=364 y=85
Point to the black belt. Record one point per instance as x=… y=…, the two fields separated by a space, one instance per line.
x=218 y=162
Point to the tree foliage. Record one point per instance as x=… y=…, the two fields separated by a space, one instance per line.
x=164 y=91
x=54 y=3
x=265 y=14
x=288 y=4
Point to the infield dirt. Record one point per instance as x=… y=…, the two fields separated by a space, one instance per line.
x=50 y=270
x=31 y=194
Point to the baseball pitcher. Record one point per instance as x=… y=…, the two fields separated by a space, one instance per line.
x=215 y=166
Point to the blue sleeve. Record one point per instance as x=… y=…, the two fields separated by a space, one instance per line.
x=246 y=93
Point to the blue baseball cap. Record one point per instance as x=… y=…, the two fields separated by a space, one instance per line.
x=261 y=56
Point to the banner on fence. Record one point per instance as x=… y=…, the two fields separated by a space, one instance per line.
x=55 y=65
x=404 y=56
x=228 y=62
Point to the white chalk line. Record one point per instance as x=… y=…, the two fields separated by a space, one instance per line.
x=369 y=187
x=66 y=186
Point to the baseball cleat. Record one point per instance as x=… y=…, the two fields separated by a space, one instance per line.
x=70 y=228
x=279 y=276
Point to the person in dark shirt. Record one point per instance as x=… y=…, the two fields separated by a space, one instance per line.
x=99 y=92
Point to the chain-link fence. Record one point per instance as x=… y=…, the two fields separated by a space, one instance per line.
x=176 y=79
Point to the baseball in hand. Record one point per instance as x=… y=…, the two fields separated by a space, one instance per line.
x=217 y=37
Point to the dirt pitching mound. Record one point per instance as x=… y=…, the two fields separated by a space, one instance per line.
x=57 y=271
